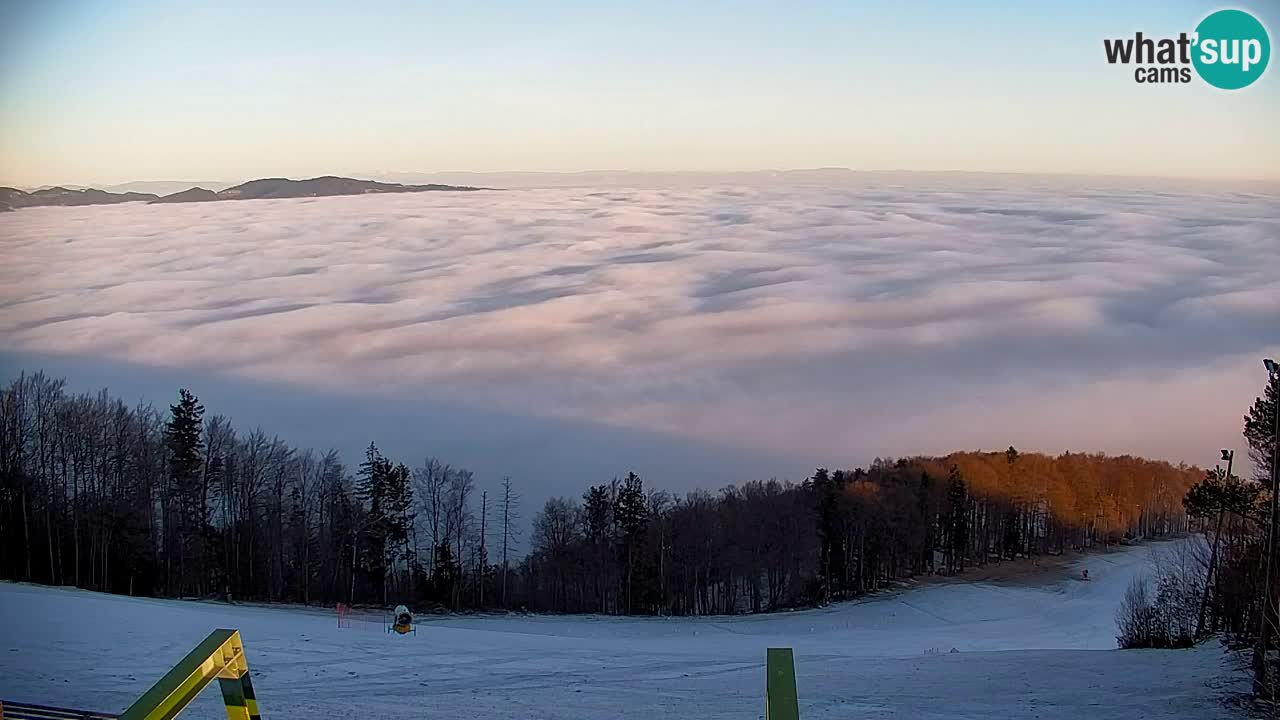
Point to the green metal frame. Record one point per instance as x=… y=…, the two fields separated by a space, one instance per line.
x=220 y=656
x=781 y=700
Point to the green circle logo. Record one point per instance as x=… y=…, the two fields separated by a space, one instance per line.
x=1232 y=49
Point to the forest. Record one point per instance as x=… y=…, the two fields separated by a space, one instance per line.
x=126 y=499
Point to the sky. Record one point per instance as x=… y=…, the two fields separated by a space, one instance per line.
x=99 y=92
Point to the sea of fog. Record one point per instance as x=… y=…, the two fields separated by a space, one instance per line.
x=698 y=335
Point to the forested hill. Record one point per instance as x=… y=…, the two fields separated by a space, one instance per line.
x=176 y=502
x=13 y=199
x=264 y=188
x=280 y=188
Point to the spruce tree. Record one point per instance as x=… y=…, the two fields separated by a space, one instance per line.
x=371 y=483
x=825 y=492
x=397 y=504
x=185 y=517
x=1260 y=431
x=373 y=486
x=183 y=435
x=632 y=516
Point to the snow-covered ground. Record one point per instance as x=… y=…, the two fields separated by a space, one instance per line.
x=1023 y=652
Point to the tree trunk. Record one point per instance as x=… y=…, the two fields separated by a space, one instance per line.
x=26 y=535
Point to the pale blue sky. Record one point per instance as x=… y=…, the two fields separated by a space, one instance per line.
x=104 y=92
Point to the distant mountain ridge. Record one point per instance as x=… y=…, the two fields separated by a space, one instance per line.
x=13 y=198
x=325 y=186
x=265 y=188
x=195 y=194
x=166 y=187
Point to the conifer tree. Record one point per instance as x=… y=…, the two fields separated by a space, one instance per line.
x=1260 y=431
x=632 y=517
x=185 y=502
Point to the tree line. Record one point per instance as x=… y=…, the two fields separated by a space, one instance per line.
x=126 y=499
x=130 y=499
x=839 y=534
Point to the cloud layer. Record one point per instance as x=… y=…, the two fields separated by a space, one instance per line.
x=821 y=322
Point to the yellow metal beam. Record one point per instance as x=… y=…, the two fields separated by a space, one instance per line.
x=220 y=656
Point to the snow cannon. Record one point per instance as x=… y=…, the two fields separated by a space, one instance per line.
x=403 y=620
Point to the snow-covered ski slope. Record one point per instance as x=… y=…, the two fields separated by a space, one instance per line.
x=1023 y=652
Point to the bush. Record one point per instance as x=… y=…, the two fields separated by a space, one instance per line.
x=1137 y=618
x=1165 y=618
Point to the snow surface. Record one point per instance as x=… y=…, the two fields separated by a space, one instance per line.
x=1023 y=652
